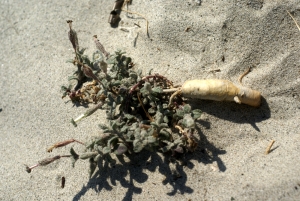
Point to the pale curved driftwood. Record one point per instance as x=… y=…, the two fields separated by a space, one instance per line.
x=220 y=90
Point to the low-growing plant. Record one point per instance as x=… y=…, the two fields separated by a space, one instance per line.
x=140 y=115
x=143 y=112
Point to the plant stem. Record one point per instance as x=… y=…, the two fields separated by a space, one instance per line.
x=87 y=113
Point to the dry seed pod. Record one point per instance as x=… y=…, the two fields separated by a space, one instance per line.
x=47 y=161
x=73 y=36
x=100 y=46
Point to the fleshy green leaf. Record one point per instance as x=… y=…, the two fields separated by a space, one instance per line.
x=97 y=158
x=196 y=113
x=188 y=121
x=146 y=89
x=138 y=146
x=106 y=150
x=187 y=108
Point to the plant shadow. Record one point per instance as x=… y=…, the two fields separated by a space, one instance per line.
x=175 y=171
x=126 y=173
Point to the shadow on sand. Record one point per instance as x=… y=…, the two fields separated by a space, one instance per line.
x=109 y=177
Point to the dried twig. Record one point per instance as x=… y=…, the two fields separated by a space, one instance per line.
x=268 y=150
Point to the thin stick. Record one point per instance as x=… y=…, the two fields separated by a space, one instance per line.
x=269 y=147
x=243 y=75
x=136 y=13
x=294 y=20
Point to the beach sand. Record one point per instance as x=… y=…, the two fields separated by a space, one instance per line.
x=216 y=39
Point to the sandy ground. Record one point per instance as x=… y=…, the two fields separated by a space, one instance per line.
x=227 y=35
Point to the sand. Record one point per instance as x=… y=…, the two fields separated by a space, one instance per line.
x=228 y=36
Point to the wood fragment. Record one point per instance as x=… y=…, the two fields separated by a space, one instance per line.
x=268 y=150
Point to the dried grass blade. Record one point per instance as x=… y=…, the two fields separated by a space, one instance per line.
x=294 y=20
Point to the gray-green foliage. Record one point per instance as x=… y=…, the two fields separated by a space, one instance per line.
x=129 y=129
x=138 y=112
x=139 y=116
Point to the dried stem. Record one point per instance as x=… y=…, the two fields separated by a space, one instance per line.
x=268 y=150
x=62 y=144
